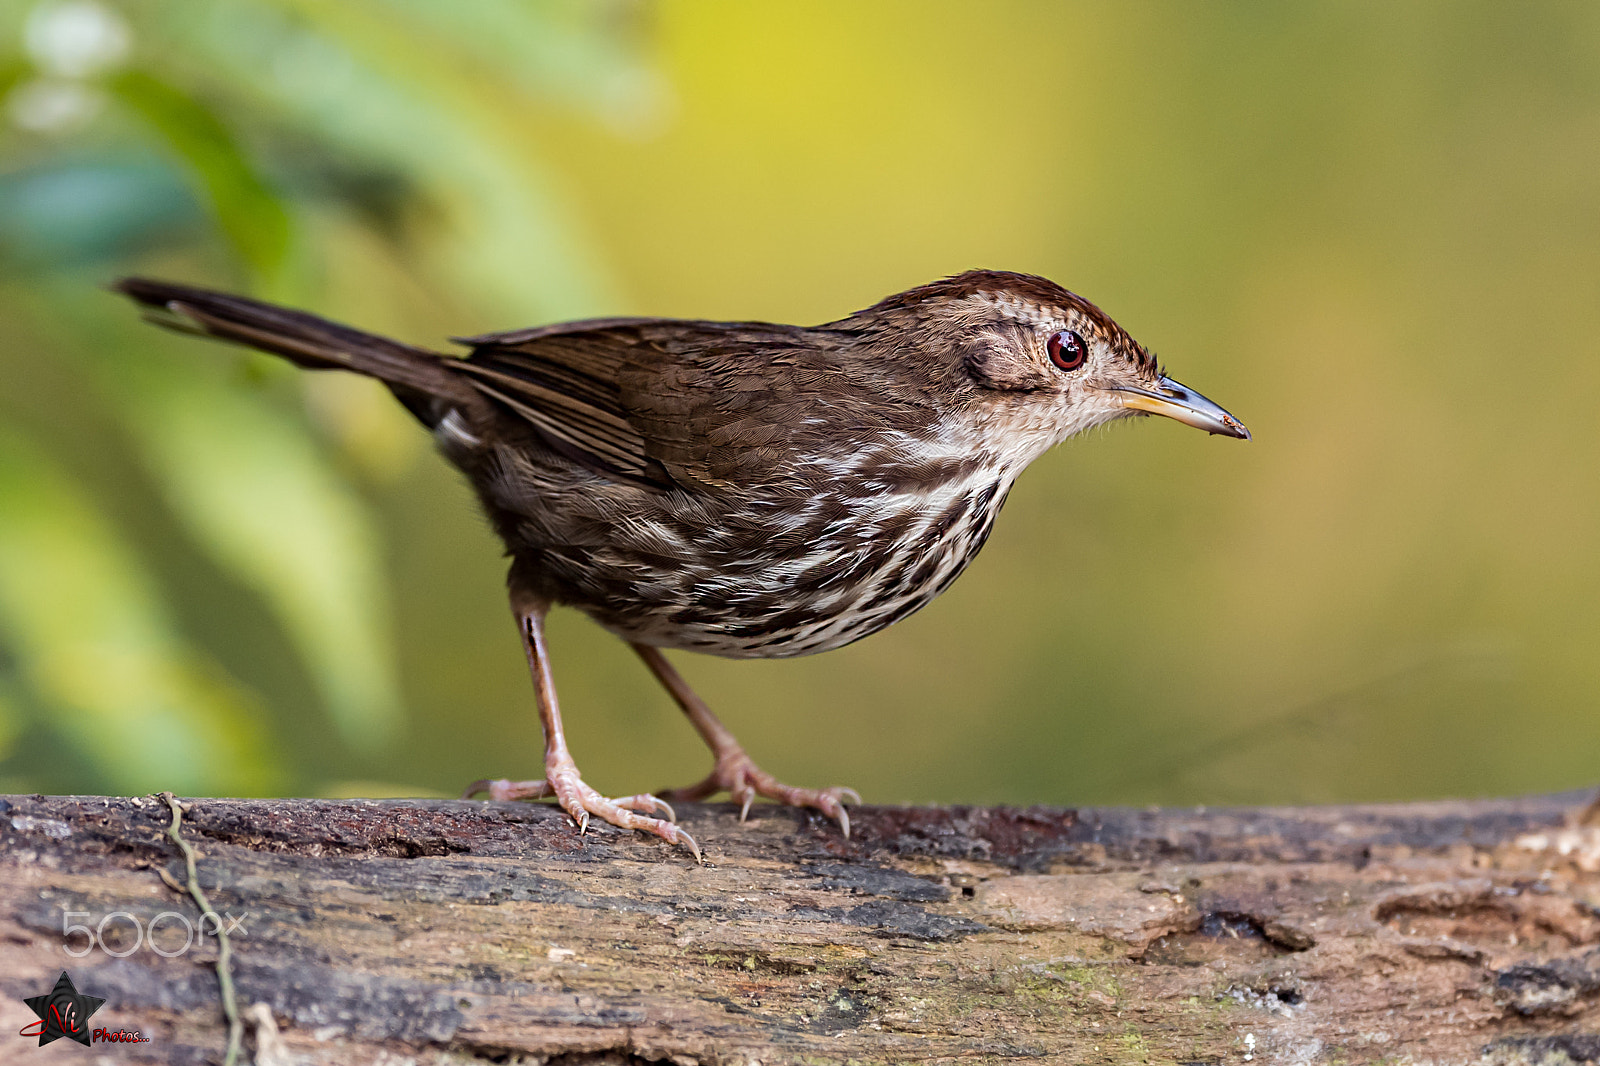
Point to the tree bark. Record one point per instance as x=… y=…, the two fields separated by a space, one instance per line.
x=431 y=931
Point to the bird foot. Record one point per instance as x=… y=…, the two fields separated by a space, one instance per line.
x=580 y=801
x=737 y=775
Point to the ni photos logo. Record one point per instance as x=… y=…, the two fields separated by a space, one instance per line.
x=65 y=1012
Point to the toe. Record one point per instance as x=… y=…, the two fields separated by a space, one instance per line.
x=665 y=830
x=828 y=801
x=503 y=790
x=622 y=813
x=646 y=803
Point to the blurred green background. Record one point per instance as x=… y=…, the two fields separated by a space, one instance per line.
x=1372 y=230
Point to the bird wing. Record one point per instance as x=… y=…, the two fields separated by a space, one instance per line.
x=663 y=402
x=562 y=380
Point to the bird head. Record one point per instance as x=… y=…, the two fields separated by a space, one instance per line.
x=1038 y=363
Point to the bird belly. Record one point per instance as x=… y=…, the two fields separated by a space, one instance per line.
x=779 y=582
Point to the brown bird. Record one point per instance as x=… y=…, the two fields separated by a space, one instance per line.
x=738 y=488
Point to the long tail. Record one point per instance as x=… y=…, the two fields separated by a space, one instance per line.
x=414 y=374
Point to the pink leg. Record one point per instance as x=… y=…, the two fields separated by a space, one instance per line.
x=561 y=777
x=734 y=772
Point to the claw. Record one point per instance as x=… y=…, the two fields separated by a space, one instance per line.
x=855 y=797
x=685 y=838
x=744 y=808
x=844 y=822
x=480 y=785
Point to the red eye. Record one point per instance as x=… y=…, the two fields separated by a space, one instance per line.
x=1067 y=350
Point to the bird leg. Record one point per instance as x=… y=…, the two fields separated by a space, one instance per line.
x=734 y=772
x=561 y=777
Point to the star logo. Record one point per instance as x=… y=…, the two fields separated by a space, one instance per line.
x=62 y=1011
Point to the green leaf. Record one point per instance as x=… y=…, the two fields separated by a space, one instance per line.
x=93 y=642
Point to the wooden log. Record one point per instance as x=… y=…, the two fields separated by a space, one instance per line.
x=368 y=932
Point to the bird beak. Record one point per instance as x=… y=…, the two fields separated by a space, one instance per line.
x=1187 y=406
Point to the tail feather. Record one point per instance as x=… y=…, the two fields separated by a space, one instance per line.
x=301 y=338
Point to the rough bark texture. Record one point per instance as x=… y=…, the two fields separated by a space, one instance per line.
x=431 y=932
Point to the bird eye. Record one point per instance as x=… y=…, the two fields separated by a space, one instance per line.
x=1067 y=350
